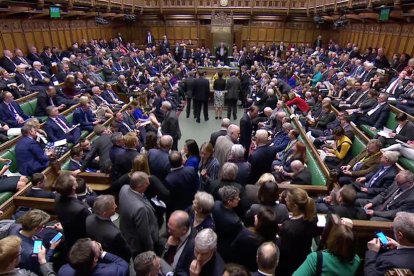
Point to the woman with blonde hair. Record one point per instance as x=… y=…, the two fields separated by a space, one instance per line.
x=252 y=190
x=297 y=232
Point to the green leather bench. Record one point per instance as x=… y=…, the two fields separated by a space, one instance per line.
x=318 y=178
x=29 y=107
x=357 y=146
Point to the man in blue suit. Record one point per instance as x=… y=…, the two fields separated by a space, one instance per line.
x=83 y=115
x=30 y=156
x=10 y=111
x=102 y=264
x=58 y=128
x=281 y=139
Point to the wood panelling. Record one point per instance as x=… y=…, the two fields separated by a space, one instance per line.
x=395 y=38
x=60 y=33
x=257 y=33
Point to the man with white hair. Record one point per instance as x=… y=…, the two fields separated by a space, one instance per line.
x=221 y=132
x=224 y=143
x=40 y=77
x=7 y=62
x=368 y=73
x=207 y=261
x=398 y=197
x=398 y=253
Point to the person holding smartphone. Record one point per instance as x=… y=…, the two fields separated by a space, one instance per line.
x=395 y=253
x=28 y=228
x=10 y=183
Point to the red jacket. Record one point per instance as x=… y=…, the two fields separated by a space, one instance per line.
x=300 y=103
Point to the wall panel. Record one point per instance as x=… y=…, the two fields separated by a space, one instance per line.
x=59 y=33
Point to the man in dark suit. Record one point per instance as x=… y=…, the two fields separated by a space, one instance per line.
x=403 y=132
x=301 y=174
x=94 y=260
x=7 y=62
x=222 y=52
x=200 y=95
x=71 y=212
x=58 y=128
x=149 y=39
x=397 y=85
x=40 y=78
x=123 y=163
x=379 y=180
x=11 y=112
x=377 y=116
x=267 y=259
x=397 y=197
x=30 y=156
x=20 y=59
x=398 y=253
x=182 y=182
x=38 y=181
x=369 y=72
x=34 y=55
x=188 y=87
x=261 y=159
x=23 y=79
x=100 y=228
x=244 y=84
x=158 y=159
x=246 y=128
x=84 y=116
x=138 y=222
x=222 y=132
x=233 y=87
x=170 y=125
x=48 y=98
x=101 y=147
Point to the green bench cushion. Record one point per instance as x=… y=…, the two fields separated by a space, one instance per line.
x=5 y=196
x=367 y=129
x=65 y=166
x=317 y=175
x=391 y=124
x=29 y=107
x=69 y=117
x=406 y=163
x=357 y=146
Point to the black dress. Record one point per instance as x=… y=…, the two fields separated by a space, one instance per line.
x=296 y=239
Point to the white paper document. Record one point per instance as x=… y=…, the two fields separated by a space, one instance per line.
x=385 y=132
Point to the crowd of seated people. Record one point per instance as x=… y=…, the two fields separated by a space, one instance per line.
x=220 y=203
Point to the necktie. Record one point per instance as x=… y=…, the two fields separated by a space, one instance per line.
x=375 y=177
x=13 y=110
x=62 y=124
x=392 y=87
x=127 y=126
x=51 y=101
x=369 y=113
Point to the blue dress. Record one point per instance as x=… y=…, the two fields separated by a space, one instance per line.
x=192 y=161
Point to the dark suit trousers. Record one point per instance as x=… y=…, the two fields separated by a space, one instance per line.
x=188 y=107
x=73 y=136
x=197 y=109
x=231 y=106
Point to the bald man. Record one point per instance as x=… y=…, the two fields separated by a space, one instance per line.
x=261 y=159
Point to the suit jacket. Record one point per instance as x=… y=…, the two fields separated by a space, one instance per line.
x=106 y=94
x=30 y=156
x=43 y=101
x=110 y=265
x=404 y=202
x=369 y=163
x=261 y=160
x=21 y=60
x=138 y=222
x=124 y=163
x=382 y=182
x=8 y=64
x=100 y=147
x=379 y=118
x=217 y=134
x=189 y=87
x=40 y=193
x=201 y=90
x=84 y=118
x=20 y=79
x=53 y=130
x=34 y=57
x=246 y=129
x=170 y=125
x=72 y=213
x=183 y=184
x=159 y=163
x=376 y=264
x=233 y=87
x=304 y=177
x=39 y=78
x=105 y=232
x=406 y=133
x=7 y=116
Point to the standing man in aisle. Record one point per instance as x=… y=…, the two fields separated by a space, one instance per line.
x=200 y=96
x=233 y=88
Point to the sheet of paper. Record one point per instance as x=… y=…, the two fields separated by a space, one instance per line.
x=60 y=143
x=321 y=220
x=14 y=131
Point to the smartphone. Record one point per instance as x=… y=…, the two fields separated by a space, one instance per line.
x=57 y=237
x=37 y=246
x=383 y=239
